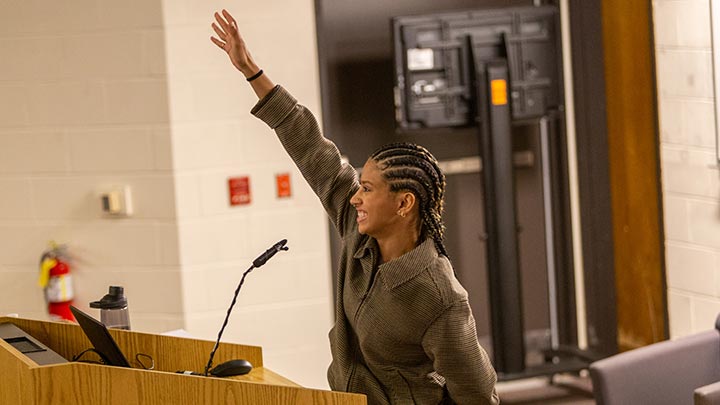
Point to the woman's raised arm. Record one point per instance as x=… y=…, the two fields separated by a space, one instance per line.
x=230 y=41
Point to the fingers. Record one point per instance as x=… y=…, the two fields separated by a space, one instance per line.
x=230 y=18
x=219 y=32
x=218 y=42
x=224 y=24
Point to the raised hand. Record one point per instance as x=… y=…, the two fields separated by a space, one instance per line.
x=230 y=41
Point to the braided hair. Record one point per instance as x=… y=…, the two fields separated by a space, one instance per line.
x=411 y=167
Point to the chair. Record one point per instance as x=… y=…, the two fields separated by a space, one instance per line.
x=708 y=395
x=673 y=372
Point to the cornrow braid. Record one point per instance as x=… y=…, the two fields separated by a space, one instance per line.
x=411 y=167
x=405 y=149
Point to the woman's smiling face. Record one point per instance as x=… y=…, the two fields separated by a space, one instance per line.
x=376 y=205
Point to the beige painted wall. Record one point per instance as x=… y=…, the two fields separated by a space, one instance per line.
x=286 y=305
x=84 y=106
x=95 y=93
x=690 y=173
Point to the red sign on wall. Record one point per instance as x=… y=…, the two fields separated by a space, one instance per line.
x=239 y=190
x=282 y=181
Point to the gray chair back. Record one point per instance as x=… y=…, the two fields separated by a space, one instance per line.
x=664 y=373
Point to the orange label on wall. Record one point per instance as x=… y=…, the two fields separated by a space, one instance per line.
x=498 y=91
x=283 y=185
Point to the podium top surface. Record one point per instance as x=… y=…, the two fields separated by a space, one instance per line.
x=24 y=381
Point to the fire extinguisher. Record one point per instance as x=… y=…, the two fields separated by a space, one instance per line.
x=56 y=281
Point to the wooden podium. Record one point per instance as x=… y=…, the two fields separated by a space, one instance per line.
x=22 y=381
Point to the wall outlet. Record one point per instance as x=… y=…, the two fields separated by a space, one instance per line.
x=117 y=202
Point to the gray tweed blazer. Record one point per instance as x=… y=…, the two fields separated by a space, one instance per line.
x=404 y=332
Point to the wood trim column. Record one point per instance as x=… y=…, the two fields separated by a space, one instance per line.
x=634 y=172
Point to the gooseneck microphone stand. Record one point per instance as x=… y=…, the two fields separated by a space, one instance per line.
x=255 y=264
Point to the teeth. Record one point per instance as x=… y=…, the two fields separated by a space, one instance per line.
x=361 y=215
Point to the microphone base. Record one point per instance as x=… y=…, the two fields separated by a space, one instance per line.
x=231 y=368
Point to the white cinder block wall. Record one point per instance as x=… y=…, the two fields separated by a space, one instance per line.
x=285 y=306
x=84 y=106
x=690 y=172
x=95 y=93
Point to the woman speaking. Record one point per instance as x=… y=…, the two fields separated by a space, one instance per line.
x=404 y=332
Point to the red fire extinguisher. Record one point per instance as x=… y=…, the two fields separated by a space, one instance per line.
x=56 y=281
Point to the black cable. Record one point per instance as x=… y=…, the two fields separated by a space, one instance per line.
x=103 y=360
x=92 y=349
x=143 y=365
x=227 y=317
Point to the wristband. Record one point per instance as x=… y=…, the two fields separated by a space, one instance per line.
x=255 y=76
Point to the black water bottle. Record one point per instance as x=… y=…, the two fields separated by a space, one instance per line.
x=113 y=309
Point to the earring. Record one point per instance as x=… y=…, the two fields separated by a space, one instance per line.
x=401 y=213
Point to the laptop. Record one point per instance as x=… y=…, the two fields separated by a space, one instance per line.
x=100 y=338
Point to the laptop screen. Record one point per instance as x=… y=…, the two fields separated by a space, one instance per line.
x=100 y=338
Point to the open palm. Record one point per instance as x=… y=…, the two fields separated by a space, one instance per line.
x=230 y=41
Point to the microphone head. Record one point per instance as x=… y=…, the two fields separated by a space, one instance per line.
x=270 y=253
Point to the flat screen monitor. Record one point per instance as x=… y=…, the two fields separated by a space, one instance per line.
x=434 y=79
x=101 y=339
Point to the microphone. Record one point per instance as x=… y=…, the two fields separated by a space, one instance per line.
x=270 y=253
x=238 y=367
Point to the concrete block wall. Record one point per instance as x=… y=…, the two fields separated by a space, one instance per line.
x=690 y=171
x=95 y=93
x=84 y=107
x=285 y=306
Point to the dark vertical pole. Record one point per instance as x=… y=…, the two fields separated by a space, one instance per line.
x=565 y=277
x=494 y=121
x=593 y=159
